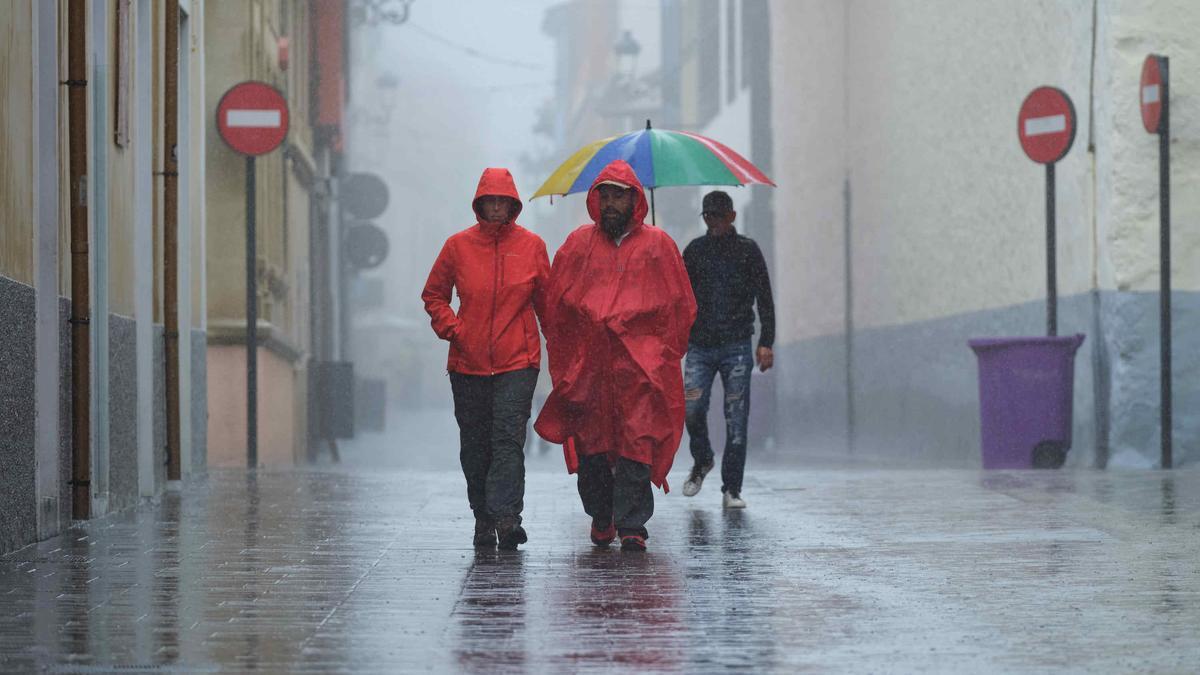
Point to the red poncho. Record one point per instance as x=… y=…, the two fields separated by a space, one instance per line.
x=617 y=326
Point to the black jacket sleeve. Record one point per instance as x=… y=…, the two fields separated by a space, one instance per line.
x=760 y=280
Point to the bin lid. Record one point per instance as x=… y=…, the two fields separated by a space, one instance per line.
x=984 y=344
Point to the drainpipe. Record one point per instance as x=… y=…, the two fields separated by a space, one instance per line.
x=171 y=236
x=81 y=458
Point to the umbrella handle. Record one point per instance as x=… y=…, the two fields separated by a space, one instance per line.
x=652 y=219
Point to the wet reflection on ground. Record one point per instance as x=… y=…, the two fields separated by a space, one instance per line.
x=490 y=613
x=314 y=571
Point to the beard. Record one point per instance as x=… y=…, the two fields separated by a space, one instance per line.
x=614 y=223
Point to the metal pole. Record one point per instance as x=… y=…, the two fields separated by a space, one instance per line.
x=1164 y=245
x=1051 y=253
x=81 y=368
x=653 y=217
x=171 y=239
x=251 y=322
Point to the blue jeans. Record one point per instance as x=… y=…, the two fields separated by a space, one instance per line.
x=734 y=362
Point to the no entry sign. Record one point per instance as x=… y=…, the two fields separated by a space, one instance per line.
x=1046 y=125
x=1151 y=93
x=252 y=117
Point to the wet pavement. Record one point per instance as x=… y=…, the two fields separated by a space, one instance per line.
x=349 y=569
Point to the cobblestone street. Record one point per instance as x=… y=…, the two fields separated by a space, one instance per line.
x=828 y=570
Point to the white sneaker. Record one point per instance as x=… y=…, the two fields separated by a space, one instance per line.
x=696 y=479
x=732 y=500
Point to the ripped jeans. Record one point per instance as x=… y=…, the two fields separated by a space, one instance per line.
x=734 y=361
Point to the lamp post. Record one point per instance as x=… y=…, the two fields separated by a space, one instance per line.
x=627 y=50
x=388 y=85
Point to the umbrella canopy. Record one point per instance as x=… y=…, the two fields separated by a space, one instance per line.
x=660 y=158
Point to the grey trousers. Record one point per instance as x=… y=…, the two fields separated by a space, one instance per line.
x=621 y=494
x=492 y=414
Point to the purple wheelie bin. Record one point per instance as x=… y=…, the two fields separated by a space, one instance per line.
x=1026 y=390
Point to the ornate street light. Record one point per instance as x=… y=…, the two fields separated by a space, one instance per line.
x=627 y=50
x=389 y=86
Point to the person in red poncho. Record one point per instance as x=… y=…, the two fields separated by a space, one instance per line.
x=499 y=270
x=619 y=309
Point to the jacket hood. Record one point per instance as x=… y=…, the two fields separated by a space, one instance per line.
x=618 y=171
x=496 y=182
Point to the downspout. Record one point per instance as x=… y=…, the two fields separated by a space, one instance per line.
x=171 y=236
x=81 y=459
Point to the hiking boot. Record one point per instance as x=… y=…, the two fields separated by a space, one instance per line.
x=602 y=538
x=511 y=538
x=696 y=479
x=633 y=542
x=733 y=500
x=485 y=533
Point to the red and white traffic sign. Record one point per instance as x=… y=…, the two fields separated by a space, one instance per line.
x=1151 y=92
x=1046 y=125
x=252 y=118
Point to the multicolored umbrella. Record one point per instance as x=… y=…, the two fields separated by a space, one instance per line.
x=660 y=158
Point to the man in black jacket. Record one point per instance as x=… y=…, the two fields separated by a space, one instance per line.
x=729 y=277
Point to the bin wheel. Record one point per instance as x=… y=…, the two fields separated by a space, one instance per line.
x=1049 y=455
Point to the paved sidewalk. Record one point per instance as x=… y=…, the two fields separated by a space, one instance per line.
x=828 y=570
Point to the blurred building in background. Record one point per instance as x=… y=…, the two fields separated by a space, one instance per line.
x=85 y=442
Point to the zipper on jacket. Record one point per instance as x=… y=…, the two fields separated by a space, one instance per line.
x=495 y=292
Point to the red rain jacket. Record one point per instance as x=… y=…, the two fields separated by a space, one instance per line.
x=616 y=328
x=499 y=272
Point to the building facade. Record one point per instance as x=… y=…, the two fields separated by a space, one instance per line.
x=910 y=220
x=88 y=442
x=297 y=47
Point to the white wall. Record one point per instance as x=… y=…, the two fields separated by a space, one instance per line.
x=915 y=104
x=1127 y=156
x=808 y=96
x=948 y=212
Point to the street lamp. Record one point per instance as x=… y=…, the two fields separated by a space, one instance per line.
x=627 y=50
x=388 y=85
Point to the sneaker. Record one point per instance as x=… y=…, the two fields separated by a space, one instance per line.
x=510 y=539
x=633 y=542
x=485 y=533
x=696 y=479
x=733 y=500
x=602 y=538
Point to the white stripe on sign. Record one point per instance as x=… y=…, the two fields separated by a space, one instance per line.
x=1150 y=93
x=1036 y=126
x=252 y=118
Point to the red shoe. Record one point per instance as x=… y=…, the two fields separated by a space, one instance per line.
x=603 y=538
x=633 y=542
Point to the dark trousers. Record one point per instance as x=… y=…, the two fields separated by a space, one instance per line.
x=492 y=412
x=620 y=494
x=735 y=362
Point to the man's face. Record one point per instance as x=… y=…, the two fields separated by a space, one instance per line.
x=616 y=209
x=495 y=209
x=719 y=221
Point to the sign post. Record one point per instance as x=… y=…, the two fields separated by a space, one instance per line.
x=1046 y=129
x=252 y=119
x=1154 y=98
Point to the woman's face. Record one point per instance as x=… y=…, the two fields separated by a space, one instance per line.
x=495 y=209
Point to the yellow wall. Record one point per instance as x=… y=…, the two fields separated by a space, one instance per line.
x=243 y=45
x=249 y=33
x=16 y=141
x=191 y=45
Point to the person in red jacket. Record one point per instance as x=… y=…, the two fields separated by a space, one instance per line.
x=619 y=308
x=499 y=271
